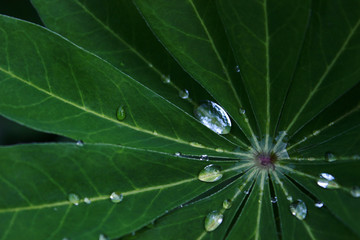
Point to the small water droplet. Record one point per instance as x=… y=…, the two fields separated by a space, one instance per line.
x=195 y=144
x=120 y=113
x=298 y=209
x=219 y=150
x=242 y=111
x=116 y=197
x=326 y=180
x=319 y=204
x=355 y=191
x=316 y=132
x=237 y=68
x=214 y=117
x=330 y=124
x=246 y=192
x=166 y=79
x=178 y=154
x=80 y=143
x=87 y=200
x=65 y=238
x=204 y=157
x=290 y=198
x=274 y=199
x=74 y=199
x=227 y=203
x=103 y=237
x=184 y=94
x=150 y=65
x=330 y=157
x=213 y=220
x=356 y=157
x=55 y=209
x=210 y=173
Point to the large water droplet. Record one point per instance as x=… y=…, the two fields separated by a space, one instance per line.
x=213 y=220
x=120 y=113
x=214 y=117
x=103 y=237
x=74 y=199
x=116 y=197
x=319 y=204
x=210 y=173
x=326 y=180
x=330 y=157
x=204 y=157
x=184 y=94
x=355 y=191
x=298 y=209
x=227 y=203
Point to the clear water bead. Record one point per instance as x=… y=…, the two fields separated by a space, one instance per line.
x=184 y=94
x=319 y=204
x=298 y=209
x=242 y=111
x=326 y=180
x=166 y=79
x=204 y=157
x=103 y=237
x=116 y=197
x=355 y=191
x=74 y=199
x=178 y=154
x=227 y=203
x=87 y=200
x=330 y=157
x=210 y=173
x=274 y=199
x=213 y=220
x=120 y=113
x=214 y=117
x=80 y=143
x=237 y=68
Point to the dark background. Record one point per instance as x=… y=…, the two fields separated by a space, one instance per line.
x=11 y=132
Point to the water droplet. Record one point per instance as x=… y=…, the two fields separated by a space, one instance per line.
x=120 y=113
x=242 y=111
x=103 y=237
x=87 y=200
x=178 y=154
x=66 y=238
x=166 y=79
x=330 y=124
x=274 y=199
x=326 y=180
x=319 y=204
x=204 y=157
x=330 y=157
x=355 y=191
x=74 y=199
x=316 y=132
x=195 y=144
x=210 y=173
x=356 y=157
x=246 y=192
x=298 y=209
x=116 y=197
x=290 y=198
x=150 y=65
x=55 y=209
x=227 y=203
x=220 y=150
x=184 y=94
x=237 y=68
x=214 y=117
x=80 y=143
x=213 y=220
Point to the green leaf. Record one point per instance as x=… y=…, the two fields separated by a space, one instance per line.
x=52 y=85
x=151 y=185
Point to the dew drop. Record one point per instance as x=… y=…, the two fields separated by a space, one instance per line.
x=204 y=157
x=356 y=157
x=150 y=65
x=116 y=197
x=219 y=150
x=326 y=180
x=120 y=113
x=103 y=237
x=319 y=204
x=166 y=79
x=242 y=111
x=74 y=199
x=213 y=220
x=184 y=94
x=274 y=199
x=227 y=203
x=237 y=68
x=80 y=143
x=355 y=191
x=316 y=132
x=298 y=209
x=330 y=124
x=290 y=198
x=214 y=117
x=210 y=173
x=330 y=157
x=246 y=192
x=195 y=144
x=178 y=154
x=87 y=200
